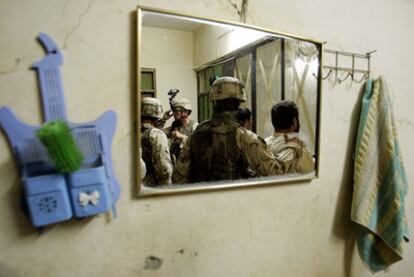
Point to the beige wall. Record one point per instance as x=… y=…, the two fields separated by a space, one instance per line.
x=213 y=42
x=170 y=52
x=205 y=43
x=298 y=229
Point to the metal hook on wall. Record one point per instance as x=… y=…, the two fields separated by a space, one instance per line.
x=327 y=75
x=336 y=66
x=323 y=77
x=351 y=71
x=364 y=77
x=353 y=66
x=349 y=74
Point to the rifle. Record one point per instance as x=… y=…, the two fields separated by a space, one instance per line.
x=175 y=144
x=172 y=93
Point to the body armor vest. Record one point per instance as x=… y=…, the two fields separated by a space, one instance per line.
x=175 y=148
x=147 y=150
x=215 y=154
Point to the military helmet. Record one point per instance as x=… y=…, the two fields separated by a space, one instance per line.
x=227 y=87
x=181 y=103
x=151 y=107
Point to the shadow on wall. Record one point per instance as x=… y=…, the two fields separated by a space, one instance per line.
x=6 y=270
x=19 y=219
x=343 y=227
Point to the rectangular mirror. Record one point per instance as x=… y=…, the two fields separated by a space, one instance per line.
x=180 y=58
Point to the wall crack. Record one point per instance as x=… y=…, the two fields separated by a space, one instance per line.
x=71 y=32
x=241 y=9
x=13 y=67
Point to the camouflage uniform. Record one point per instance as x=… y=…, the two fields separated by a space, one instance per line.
x=220 y=149
x=178 y=143
x=155 y=149
x=143 y=167
x=156 y=156
x=295 y=157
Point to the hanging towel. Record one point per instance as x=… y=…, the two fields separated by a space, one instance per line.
x=380 y=183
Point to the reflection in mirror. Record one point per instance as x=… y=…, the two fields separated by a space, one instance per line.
x=182 y=60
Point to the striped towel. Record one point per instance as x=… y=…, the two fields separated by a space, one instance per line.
x=380 y=183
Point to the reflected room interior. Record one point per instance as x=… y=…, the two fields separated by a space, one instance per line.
x=187 y=53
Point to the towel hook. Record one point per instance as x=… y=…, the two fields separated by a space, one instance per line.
x=364 y=77
x=346 y=77
x=327 y=75
x=353 y=66
x=336 y=66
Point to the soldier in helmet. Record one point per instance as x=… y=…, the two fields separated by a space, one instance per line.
x=155 y=150
x=220 y=149
x=181 y=128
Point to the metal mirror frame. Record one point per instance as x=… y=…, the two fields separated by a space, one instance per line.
x=221 y=185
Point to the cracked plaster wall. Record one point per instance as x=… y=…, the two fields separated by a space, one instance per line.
x=285 y=230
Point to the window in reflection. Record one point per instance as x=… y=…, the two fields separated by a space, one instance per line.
x=282 y=70
x=148 y=83
x=301 y=84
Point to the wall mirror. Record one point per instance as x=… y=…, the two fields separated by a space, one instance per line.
x=185 y=53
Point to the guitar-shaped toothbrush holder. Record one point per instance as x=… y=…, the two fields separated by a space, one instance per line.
x=53 y=196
